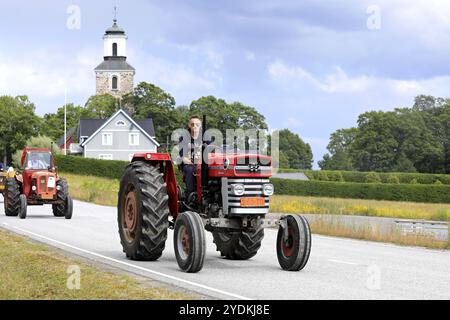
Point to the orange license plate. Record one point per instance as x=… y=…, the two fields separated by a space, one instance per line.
x=253 y=202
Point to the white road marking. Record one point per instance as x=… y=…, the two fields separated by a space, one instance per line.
x=343 y=262
x=136 y=267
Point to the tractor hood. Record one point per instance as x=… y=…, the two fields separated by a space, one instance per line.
x=239 y=165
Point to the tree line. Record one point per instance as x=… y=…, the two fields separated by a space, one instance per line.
x=19 y=121
x=415 y=139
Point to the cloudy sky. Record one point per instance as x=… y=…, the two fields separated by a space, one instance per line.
x=310 y=66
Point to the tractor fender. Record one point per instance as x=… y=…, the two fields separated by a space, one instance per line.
x=165 y=161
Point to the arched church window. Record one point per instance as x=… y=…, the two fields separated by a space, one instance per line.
x=114 y=49
x=114 y=83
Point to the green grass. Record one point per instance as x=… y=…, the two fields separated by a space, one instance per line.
x=34 y=271
x=374 y=208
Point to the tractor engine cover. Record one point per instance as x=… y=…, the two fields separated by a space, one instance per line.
x=43 y=185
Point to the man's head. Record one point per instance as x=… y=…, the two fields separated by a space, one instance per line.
x=195 y=123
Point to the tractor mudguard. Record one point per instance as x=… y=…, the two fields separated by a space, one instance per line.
x=165 y=161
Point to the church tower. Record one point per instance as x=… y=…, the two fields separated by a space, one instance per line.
x=114 y=75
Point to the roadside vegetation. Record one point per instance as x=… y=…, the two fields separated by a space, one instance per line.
x=373 y=208
x=337 y=228
x=34 y=271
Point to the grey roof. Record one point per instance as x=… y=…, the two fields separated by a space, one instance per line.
x=69 y=134
x=114 y=64
x=115 y=29
x=87 y=127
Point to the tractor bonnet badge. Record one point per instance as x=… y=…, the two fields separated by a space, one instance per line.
x=254 y=167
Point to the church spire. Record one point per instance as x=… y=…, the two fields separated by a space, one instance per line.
x=115 y=15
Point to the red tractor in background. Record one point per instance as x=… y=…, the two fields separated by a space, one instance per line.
x=231 y=200
x=37 y=184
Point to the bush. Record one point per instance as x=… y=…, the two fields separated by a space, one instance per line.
x=322 y=176
x=393 y=179
x=91 y=167
x=413 y=181
x=372 y=177
x=355 y=176
x=335 y=176
x=438 y=182
x=112 y=169
x=375 y=191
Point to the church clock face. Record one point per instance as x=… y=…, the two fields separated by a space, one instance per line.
x=114 y=76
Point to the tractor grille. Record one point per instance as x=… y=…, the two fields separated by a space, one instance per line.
x=42 y=182
x=253 y=188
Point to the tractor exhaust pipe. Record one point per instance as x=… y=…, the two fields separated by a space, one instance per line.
x=204 y=156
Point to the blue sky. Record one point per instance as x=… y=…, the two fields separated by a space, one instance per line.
x=310 y=66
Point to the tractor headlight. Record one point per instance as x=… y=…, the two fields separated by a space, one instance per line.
x=268 y=189
x=33 y=188
x=58 y=188
x=237 y=189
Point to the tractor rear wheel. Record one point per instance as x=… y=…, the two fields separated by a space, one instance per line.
x=12 y=198
x=62 y=193
x=293 y=251
x=189 y=242
x=143 y=212
x=241 y=245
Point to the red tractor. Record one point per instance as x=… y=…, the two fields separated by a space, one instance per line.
x=231 y=200
x=37 y=184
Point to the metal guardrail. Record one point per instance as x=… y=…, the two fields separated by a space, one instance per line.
x=439 y=229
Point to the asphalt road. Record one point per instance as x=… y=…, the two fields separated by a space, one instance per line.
x=337 y=269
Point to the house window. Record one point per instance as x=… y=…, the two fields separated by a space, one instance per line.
x=107 y=139
x=114 y=83
x=114 y=49
x=121 y=123
x=133 y=139
x=105 y=156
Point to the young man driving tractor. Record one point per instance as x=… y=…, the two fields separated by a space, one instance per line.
x=191 y=152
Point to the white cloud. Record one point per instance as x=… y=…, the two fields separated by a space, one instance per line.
x=293 y=77
x=46 y=74
x=337 y=82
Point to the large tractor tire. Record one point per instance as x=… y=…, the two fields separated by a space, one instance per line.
x=241 y=245
x=59 y=210
x=143 y=212
x=12 y=198
x=189 y=241
x=293 y=251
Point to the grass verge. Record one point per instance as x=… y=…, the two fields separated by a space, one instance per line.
x=371 y=233
x=33 y=271
x=374 y=208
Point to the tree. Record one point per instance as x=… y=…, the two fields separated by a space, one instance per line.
x=297 y=152
x=53 y=123
x=339 y=157
x=18 y=122
x=102 y=106
x=222 y=115
x=150 y=101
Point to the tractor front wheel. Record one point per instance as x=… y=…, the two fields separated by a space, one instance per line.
x=294 y=244
x=23 y=206
x=241 y=245
x=189 y=242
x=12 y=198
x=68 y=210
x=62 y=194
x=143 y=212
